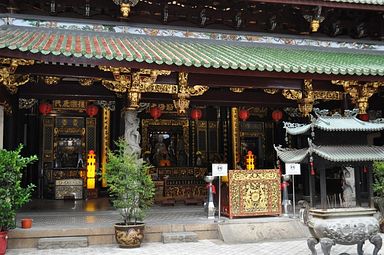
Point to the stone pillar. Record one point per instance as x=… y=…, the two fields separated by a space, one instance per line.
x=1 y=126
x=349 y=191
x=131 y=132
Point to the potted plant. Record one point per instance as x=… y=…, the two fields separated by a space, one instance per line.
x=12 y=194
x=132 y=190
x=378 y=189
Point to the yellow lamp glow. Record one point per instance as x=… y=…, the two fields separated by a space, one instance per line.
x=91 y=169
x=250 y=161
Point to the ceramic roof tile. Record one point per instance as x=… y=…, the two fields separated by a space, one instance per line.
x=189 y=52
x=350 y=153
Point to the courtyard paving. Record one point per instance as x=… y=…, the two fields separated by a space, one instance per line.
x=203 y=247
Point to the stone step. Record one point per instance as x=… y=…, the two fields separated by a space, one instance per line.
x=179 y=237
x=62 y=242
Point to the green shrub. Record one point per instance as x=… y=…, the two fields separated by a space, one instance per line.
x=12 y=194
x=130 y=185
x=378 y=178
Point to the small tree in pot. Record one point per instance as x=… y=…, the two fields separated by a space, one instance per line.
x=12 y=194
x=132 y=190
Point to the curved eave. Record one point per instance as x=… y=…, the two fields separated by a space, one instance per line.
x=188 y=53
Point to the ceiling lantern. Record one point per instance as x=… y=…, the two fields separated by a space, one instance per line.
x=277 y=115
x=155 y=112
x=45 y=108
x=92 y=110
x=244 y=114
x=196 y=114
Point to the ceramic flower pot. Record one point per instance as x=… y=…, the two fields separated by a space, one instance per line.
x=26 y=223
x=3 y=242
x=129 y=236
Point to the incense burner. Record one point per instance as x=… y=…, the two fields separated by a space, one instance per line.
x=346 y=226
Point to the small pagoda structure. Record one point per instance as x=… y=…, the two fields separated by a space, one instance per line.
x=342 y=142
x=336 y=141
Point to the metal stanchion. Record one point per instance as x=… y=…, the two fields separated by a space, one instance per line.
x=210 y=204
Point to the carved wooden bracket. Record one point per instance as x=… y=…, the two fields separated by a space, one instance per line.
x=360 y=93
x=307 y=97
x=144 y=81
x=7 y=73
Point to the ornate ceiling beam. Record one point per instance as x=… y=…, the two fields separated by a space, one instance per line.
x=359 y=92
x=144 y=81
x=7 y=73
x=182 y=98
x=307 y=96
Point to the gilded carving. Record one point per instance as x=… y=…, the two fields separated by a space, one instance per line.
x=307 y=97
x=51 y=80
x=76 y=105
x=254 y=192
x=237 y=90
x=120 y=86
x=25 y=103
x=360 y=93
x=235 y=137
x=105 y=130
x=86 y=82
x=328 y=95
x=7 y=73
x=292 y=94
x=159 y=88
x=197 y=90
x=271 y=91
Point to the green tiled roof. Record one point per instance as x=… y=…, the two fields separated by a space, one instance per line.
x=334 y=123
x=378 y=2
x=191 y=52
x=342 y=153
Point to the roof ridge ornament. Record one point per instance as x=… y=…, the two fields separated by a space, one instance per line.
x=351 y=113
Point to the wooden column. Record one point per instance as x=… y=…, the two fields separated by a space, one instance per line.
x=235 y=137
x=357 y=185
x=105 y=130
x=312 y=190
x=369 y=185
x=323 y=188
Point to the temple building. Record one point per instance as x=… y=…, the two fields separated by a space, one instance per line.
x=187 y=83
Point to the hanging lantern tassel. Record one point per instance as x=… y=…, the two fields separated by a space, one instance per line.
x=279 y=165
x=311 y=164
x=213 y=187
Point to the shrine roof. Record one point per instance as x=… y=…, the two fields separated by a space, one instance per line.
x=185 y=48
x=336 y=122
x=334 y=153
x=350 y=153
x=288 y=155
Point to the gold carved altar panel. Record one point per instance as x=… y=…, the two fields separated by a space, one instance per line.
x=253 y=193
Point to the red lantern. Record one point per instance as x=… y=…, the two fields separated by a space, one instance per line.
x=92 y=110
x=277 y=115
x=155 y=112
x=364 y=117
x=243 y=114
x=45 y=108
x=196 y=114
